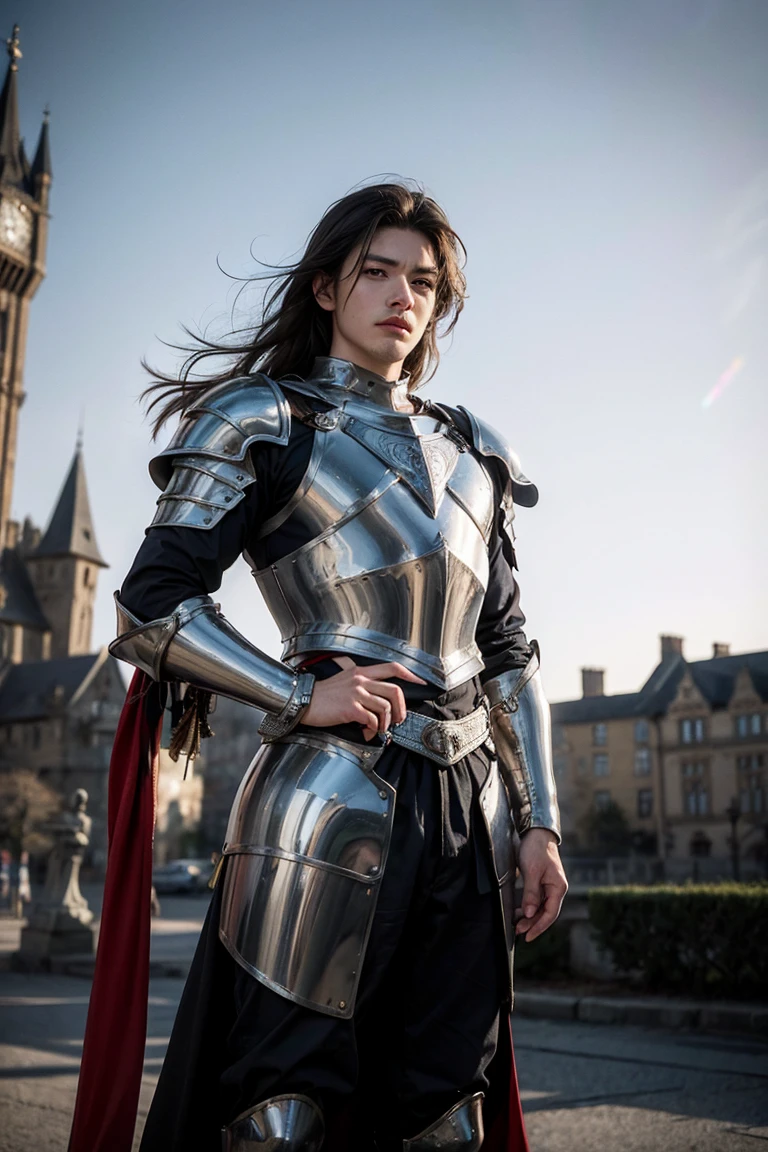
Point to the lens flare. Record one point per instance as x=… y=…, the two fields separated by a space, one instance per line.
x=727 y=378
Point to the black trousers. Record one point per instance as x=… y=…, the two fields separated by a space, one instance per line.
x=426 y=1022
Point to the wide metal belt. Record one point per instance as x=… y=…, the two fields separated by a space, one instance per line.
x=444 y=741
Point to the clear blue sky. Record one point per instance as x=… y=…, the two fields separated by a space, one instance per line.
x=607 y=166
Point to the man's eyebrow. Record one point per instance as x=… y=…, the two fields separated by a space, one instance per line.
x=420 y=270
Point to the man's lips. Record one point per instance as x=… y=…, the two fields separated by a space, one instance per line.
x=395 y=324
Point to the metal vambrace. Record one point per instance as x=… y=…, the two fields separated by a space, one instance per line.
x=197 y=645
x=522 y=732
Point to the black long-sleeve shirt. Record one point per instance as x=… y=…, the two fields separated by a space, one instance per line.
x=175 y=563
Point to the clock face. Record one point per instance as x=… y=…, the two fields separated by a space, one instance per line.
x=15 y=226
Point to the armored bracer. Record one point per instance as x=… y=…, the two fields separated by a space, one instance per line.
x=197 y=645
x=206 y=468
x=522 y=733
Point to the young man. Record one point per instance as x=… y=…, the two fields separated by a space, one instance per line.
x=351 y=989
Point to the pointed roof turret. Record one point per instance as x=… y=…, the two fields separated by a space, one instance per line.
x=70 y=529
x=11 y=164
x=41 y=165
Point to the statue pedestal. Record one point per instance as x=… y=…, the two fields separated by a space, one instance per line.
x=60 y=922
x=38 y=944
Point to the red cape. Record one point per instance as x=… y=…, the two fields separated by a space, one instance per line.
x=115 y=1034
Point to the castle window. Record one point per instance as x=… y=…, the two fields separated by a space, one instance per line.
x=696 y=791
x=692 y=731
x=600 y=765
x=642 y=762
x=751 y=783
x=644 y=802
x=641 y=732
x=600 y=734
x=748 y=725
x=86 y=573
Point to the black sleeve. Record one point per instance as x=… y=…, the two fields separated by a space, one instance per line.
x=500 y=636
x=175 y=563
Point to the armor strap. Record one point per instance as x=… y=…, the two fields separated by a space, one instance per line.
x=197 y=645
x=459 y=1130
x=280 y=1124
x=522 y=732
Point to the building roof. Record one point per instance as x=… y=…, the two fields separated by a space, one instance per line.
x=19 y=604
x=715 y=679
x=70 y=530
x=33 y=691
x=41 y=165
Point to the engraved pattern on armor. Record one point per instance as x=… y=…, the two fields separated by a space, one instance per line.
x=280 y=1124
x=424 y=465
x=306 y=847
x=460 y=1130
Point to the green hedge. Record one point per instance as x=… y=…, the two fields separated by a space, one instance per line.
x=703 y=940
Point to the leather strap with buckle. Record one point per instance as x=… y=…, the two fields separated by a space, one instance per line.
x=444 y=741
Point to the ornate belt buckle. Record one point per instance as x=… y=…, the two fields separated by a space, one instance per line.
x=441 y=740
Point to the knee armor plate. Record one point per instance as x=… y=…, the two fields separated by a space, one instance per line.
x=460 y=1130
x=280 y=1124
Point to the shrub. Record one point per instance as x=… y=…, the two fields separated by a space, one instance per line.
x=704 y=940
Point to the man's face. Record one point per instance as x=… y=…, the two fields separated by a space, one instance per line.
x=380 y=317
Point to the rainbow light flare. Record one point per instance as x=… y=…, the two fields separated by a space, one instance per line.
x=727 y=378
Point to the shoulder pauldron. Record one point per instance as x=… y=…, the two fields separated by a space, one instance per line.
x=489 y=442
x=206 y=468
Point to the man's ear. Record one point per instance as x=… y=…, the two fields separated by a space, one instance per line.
x=325 y=291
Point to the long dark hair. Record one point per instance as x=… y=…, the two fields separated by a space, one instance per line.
x=294 y=329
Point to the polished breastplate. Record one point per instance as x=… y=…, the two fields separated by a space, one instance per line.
x=398 y=510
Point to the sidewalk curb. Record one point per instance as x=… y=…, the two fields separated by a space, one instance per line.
x=648 y=1012
x=169 y=968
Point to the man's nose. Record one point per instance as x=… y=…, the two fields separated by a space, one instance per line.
x=402 y=293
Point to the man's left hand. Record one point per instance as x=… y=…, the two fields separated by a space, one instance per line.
x=544 y=882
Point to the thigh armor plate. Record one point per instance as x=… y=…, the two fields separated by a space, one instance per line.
x=305 y=850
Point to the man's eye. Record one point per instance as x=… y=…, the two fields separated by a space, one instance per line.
x=425 y=284
x=375 y=271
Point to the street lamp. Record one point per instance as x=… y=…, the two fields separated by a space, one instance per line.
x=733 y=812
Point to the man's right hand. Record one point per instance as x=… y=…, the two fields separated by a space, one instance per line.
x=360 y=696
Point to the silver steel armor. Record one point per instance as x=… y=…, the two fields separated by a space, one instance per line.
x=460 y=1130
x=280 y=1124
x=397 y=510
x=306 y=846
x=522 y=733
x=197 y=645
x=206 y=468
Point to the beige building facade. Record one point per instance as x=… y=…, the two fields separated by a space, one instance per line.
x=684 y=758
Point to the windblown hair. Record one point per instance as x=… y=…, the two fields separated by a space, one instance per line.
x=294 y=329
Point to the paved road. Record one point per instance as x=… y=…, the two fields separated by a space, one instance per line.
x=586 y=1088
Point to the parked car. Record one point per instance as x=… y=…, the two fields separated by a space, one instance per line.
x=182 y=876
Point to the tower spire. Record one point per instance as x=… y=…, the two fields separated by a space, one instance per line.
x=41 y=165
x=11 y=165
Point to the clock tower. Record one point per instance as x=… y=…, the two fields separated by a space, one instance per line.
x=24 y=191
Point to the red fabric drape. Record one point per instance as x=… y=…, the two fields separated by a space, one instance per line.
x=115 y=1033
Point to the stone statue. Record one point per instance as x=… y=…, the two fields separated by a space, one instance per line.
x=59 y=921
